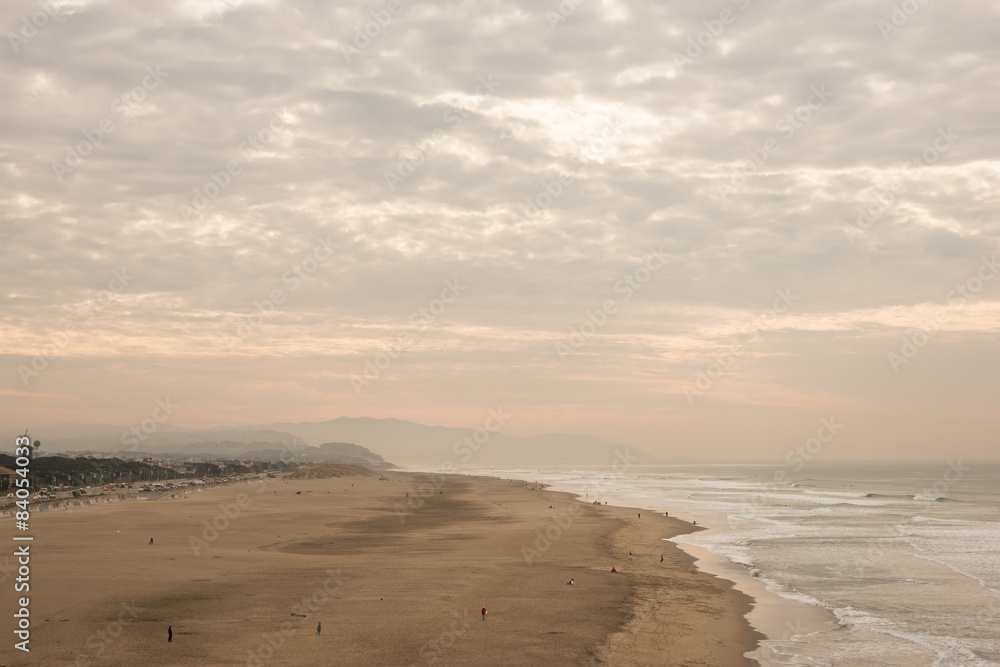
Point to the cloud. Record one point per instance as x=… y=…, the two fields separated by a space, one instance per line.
x=677 y=134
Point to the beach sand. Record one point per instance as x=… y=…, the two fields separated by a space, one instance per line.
x=391 y=583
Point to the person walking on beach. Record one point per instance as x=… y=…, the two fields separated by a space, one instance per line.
x=319 y=628
x=484 y=613
x=170 y=633
x=661 y=558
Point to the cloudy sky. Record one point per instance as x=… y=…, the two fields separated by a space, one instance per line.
x=638 y=220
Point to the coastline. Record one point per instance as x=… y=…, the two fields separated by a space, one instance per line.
x=778 y=619
x=243 y=573
x=681 y=613
x=772 y=620
x=753 y=613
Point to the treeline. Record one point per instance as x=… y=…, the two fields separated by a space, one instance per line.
x=91 y=471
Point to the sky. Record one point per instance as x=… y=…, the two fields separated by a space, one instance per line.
x=713 y=229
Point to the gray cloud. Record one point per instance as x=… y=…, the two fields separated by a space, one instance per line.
x=344 y=125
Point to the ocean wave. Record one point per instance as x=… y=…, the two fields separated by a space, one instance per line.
x=947 y=650
x=801 y=541
x=951 y=522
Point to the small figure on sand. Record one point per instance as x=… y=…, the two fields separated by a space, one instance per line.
x=666 y=514
x=613 y=569
x=661 y=558
x=319 y=628
x=630 y=555
x=484 y=613
x=570 y=583
x=151 y=540
x=170 y=633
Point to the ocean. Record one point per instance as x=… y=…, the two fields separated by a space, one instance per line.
x=851 y=564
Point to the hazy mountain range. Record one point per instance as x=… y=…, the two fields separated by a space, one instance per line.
x=362 y=440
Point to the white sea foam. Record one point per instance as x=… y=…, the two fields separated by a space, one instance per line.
x=912 y=577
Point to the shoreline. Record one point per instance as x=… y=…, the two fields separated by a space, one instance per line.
x=764 y=613
x=663 y=597
x=740 y=601
x=771 y=617
x=777 y=618
x=244 y=573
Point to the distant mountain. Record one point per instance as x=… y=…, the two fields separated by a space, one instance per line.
x=260 y=444
x=348 y=440
x=407 y=442
x=108 y=438
x=345 y=452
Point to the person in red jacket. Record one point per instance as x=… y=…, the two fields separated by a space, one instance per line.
x=484 y=613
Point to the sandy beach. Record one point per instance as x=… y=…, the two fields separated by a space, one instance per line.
x=394 y=580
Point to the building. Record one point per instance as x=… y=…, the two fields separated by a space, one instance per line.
x=6 y=478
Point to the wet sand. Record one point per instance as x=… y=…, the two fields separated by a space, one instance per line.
x=393 y=580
